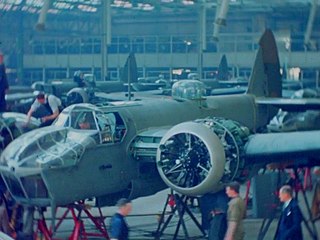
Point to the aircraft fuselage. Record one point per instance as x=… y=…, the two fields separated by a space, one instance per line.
x=61 y=164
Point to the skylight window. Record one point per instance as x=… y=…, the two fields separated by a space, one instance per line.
x=87 y=8
x=63 y=5
x=34 y=3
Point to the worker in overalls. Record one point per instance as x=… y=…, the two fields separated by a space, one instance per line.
x=47 y=107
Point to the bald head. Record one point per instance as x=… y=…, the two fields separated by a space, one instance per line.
x=285 y=193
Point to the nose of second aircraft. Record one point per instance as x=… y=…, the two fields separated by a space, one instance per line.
x=24 y=160
x=46 y=148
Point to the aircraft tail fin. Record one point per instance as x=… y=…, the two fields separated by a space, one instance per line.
x=223 y=70
x=265 y=79
x=129 y=72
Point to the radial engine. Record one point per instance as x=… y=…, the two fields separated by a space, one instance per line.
x=197 y=157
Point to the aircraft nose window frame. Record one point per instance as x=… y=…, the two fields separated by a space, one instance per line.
x=63 y=119
x=106 y=127
x=83 y=118
x=111 y=127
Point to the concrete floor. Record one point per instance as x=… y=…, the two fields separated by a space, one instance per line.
x=143 y=221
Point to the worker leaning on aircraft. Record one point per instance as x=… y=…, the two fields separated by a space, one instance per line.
x=51 y=106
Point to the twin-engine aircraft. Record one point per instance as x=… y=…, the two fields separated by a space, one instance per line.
x=131 y=149
x=73 y=92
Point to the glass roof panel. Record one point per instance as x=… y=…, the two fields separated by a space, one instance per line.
x=142 y=5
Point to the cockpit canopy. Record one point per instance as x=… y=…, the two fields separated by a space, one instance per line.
x=88 y=117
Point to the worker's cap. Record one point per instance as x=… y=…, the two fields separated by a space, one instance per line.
x=40 y=95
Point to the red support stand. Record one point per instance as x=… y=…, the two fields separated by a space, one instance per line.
x=307 y=179
x=179 y=205
x=43 y=229
x=306 y=184
x=79 y=231
x=247 y=192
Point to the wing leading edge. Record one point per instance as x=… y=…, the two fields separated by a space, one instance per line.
x=291 y=104
x=301 y=147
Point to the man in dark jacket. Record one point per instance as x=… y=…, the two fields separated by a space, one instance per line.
x=214 y=208
x=289 y=225
x=118 y=224
x=4 y=87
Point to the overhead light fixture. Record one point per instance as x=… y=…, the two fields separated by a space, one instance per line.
x=5 y=7
x=87 y=8
x=29 y=9
x=54 y=11
x=63 y=5
x=35 y=3
x=145 y=7
x=15 y=2
x=127 y=5
x=188 y=2
x=120 y=3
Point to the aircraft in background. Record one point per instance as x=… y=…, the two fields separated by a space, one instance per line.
x=225 y=81
x=189 y=143
x=18 y=94
x=19 y=89
x=296 y=84
x=72 y=93
x=151 y=83
x=222 y=84
x=19 y=101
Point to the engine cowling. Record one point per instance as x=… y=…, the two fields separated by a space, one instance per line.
x=197 y=157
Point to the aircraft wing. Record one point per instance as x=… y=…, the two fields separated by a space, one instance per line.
x=20 y=89
x=290 y=104
x=291 y=85
x=14 y=97
x=302 y=147
x=228 y=91
x=233 y=83
x=193 y=157
x=123 y=96
x=4 y=236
